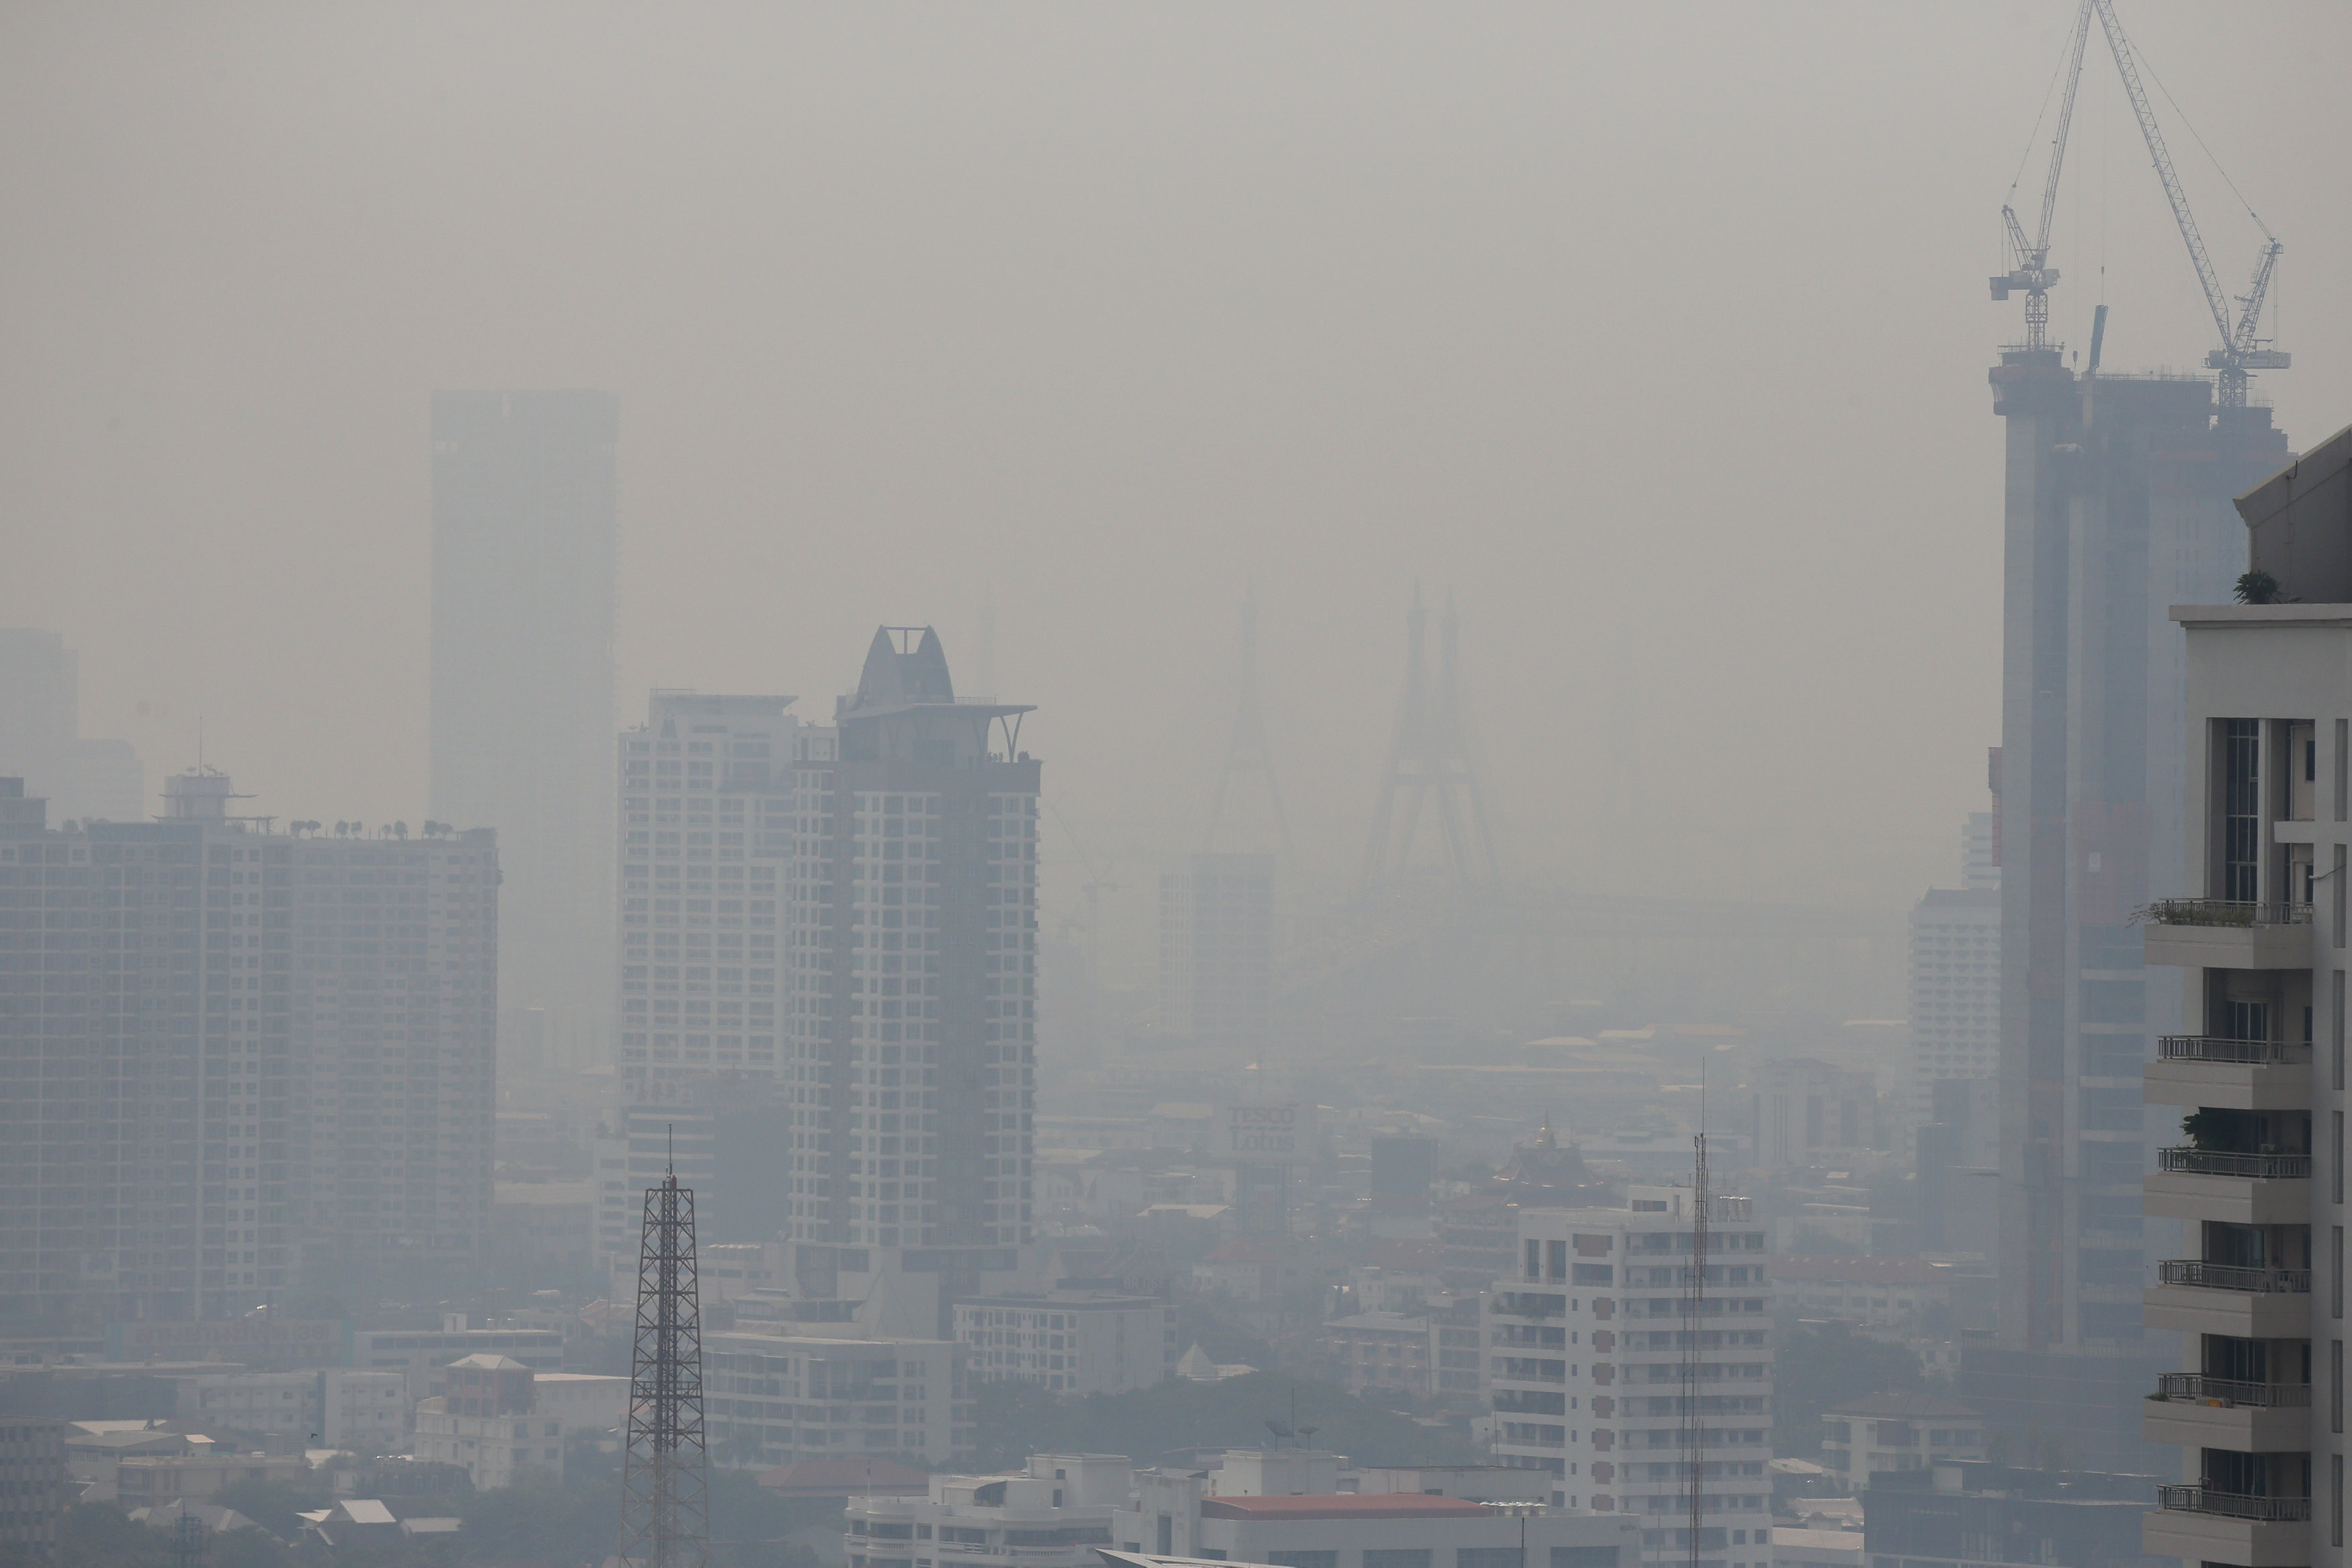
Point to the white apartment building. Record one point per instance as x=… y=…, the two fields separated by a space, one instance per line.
x=1069 y=1342
x=2258 y=1406
x=706 y=845
x=776 y=1399
x=345 y=1407
x=496 y=1451
x=423 y=1355
x=1954 y=987
x=1586 y=1345
x=1051 y=1515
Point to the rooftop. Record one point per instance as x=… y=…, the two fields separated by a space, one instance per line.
x=1345 y=1505
x=1899 y=1403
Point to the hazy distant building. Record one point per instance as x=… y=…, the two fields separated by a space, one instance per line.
x=1805 y=1113
x=235 y=1057
x=2117 y=493
x=705 y=844
x=524 y=538
x=913 y=946
x=1955 y=989
x=1216 y=951
x=40 y=734
x=651 y=1142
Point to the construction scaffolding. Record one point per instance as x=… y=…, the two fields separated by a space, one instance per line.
x=664 y=1486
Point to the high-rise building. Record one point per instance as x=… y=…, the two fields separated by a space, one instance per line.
x=525 y=532
x=705 y=844
x=2117 y=504
x=40 y=733
x=1216 y=951
x=913 y=917
x=2257 y=1170
x=237 y=1058
x=1586 y=1380
x=1955 y=989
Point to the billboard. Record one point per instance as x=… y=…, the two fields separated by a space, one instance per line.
x=1258 y=1133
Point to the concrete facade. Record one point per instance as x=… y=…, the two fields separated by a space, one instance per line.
x=1071 y=1343
x=2117 y=493
x=1585 y=1354
x=775 y=1399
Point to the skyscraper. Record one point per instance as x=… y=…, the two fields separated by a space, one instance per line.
x=235 y=1057
x=524 y=537
x=913 y=968
x=706 y=847
x=1216 y=951
x=40 y=733
x=2117 y=504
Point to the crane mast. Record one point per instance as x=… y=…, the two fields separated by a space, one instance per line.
x=2240 y=351
x=2031 y=271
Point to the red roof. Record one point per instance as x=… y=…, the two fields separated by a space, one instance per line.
x=1342 y=1505
x=847 y=1478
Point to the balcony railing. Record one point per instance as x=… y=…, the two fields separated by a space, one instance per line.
x=2230 y=1163
x=2210 y=1048
x=2196 y=1386
x=2224 y=912
x=2232 y=1505
x=2229 y=1277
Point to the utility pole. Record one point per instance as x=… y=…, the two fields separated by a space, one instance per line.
x=665 y=1490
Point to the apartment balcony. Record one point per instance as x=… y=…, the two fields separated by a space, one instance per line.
x=2227 y=934
x=2192 y=1296
x=2231 y=1075
x=2201 y=1525
x=2241 y=1188
x=2201 y=1412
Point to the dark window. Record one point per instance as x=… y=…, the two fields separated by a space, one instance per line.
x=1583 y=1557
x=1593 y=1274
x=2242 y=753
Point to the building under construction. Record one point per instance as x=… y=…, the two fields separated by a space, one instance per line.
x=2118 y=492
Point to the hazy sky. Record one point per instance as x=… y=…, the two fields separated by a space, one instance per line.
x=1656 y=333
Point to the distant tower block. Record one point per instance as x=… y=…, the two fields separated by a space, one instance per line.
x=1431 y=756
x=1249 y=752
x=665 y=1487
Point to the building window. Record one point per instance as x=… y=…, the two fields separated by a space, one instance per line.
x=2241 y=750
x=1487 y=1557
x=1396 y=1557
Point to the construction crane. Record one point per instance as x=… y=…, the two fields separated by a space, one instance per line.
x=2031 y=271
x=2241 y=351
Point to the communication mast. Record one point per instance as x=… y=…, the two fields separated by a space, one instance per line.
x=665 y=1490
x=1693 y=1355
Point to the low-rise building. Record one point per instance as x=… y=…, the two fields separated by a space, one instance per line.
x=1897 y=1430
x=772 y=1399
x=1797 y=1548
x=1070 y=1343
x=421 y=1353
x=1993 y=1516
x=1175 y=1513
x=1051 y=1515
x=489 y=1422
x=336 y=1407
x=32 y=1483
x=1381 y=1350
x=587 y=1404
x=1479 y=1483
x=1869 y=1292
x=143 y=1482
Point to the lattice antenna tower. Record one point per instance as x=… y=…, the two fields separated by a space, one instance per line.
x=1249 y=751
x=1431 y=756
x=1694 y=1352
x=665 y=1485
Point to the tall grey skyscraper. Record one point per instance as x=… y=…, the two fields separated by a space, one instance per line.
x=525 y=529
x=913 y=953
x=40 y=733
x=2118 y=494
x=236 y=1057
